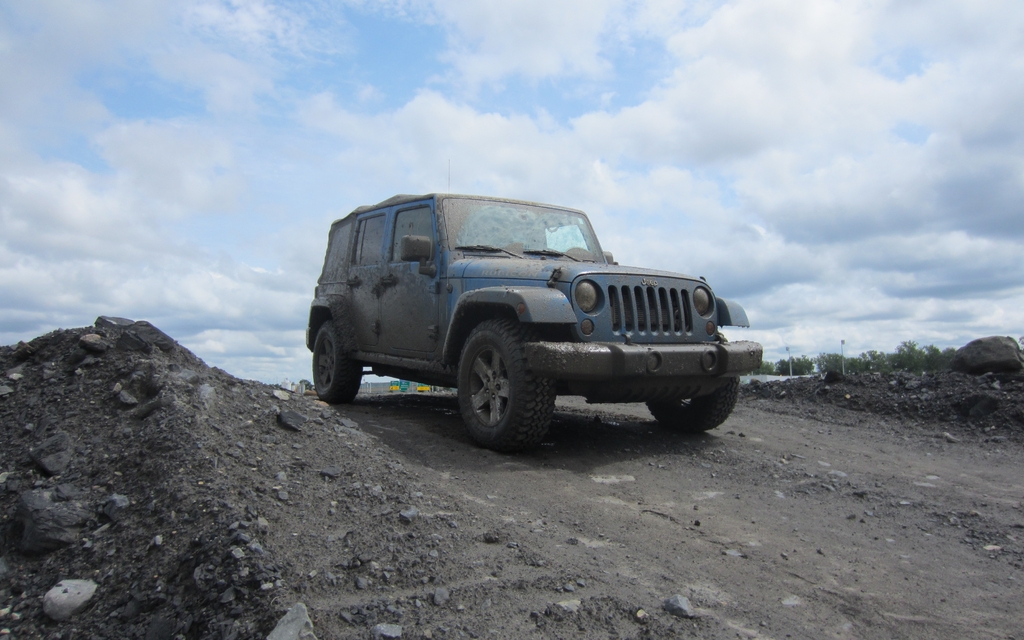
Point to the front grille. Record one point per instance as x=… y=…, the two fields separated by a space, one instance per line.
x=649 y=310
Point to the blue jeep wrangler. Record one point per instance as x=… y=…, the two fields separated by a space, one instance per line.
x=514 y=303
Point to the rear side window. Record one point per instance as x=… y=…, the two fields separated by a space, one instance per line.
x=337 y=253
x=411 y=222
x=369 y=240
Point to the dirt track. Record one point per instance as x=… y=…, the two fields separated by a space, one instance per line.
x=806 y=529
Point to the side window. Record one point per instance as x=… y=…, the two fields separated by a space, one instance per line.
x=368 y=243
x=412 y=222
x=337 y=253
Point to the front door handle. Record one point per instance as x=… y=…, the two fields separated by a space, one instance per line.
x=354 y=282
x=389 y=280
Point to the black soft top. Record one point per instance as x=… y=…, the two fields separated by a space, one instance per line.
x=404 y=198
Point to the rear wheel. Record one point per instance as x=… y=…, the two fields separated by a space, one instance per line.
x=505 y=407
x=335 y=375
x=696 y=415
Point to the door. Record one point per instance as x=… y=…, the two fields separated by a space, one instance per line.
x=409 y=305
x=364 y=274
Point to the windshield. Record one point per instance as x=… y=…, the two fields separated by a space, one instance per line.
x=518 y=229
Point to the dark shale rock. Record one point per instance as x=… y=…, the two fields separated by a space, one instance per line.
x=291 y=420
x=114 y=505
x=48 y=525
x=54 y=454
x=111 y=322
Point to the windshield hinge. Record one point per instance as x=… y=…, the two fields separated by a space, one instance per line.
x=556 y=273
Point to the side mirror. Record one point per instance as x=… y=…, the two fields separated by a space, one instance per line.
x=609 y=258
x=419 y=249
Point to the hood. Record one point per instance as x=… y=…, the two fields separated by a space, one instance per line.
x=540 y=270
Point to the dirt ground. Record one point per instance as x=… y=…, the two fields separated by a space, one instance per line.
x=800 y=517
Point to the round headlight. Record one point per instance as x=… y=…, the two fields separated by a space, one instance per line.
x=702 y=300
x=586 y=296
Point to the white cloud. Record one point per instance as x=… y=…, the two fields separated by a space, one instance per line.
x=185 y=169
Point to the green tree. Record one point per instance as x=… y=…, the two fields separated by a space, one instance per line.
x=766 y=369
x=826 y=362
x=802 y=366
x=937 y=360
x=908 y=357
x=874 y=362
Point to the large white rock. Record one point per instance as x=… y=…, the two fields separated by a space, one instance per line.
x=68 y=598
x=295 y=625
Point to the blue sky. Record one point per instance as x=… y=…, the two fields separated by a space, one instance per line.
x=845 y=169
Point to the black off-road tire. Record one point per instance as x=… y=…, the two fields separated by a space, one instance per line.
x=700 y=414
x=335 y=375
x=505 y=407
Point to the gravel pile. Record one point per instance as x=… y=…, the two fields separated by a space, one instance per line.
x=989 y=406
x=110 y=439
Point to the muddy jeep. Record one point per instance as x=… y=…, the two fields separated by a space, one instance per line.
x=514 y=303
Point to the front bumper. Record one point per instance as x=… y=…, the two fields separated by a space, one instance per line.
x=610 y=361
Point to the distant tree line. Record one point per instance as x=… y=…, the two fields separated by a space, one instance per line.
x=908 y=357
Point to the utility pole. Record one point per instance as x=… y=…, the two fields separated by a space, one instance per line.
x=842 y=354
x=790 y=356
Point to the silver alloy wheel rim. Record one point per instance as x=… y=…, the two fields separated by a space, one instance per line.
x=489 y=387
x=325 y=362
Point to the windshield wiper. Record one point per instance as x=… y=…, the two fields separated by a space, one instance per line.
x=550 y=252
x=488 y=248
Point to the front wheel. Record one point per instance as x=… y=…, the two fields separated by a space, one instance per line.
x=335 y=375
x=505 y=407
x=699 y=414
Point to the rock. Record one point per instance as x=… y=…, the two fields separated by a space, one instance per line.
x=130 y=341
x=281 y=394
x=291 y=420
x=362 y=583
x=441 y=596
x=143 y=336
x=93 y=342
x=994 y=354
x=409 y=514
x=114 y=505
x=126 y=398
x=832 y=377
x=569 y=606
x=48 y=525
x=111 y=322
x=161 y=628
x=68 y=598
x=294 y=625
x=678 y=606
x=978 y=406
x=53 y=455
x=332 y=471
x=145 y=409
x=207 y=394
x=386 y=631
x=950 y=437
x=23 y=351
x=152 y=335
x=5 y=390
